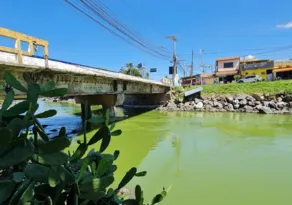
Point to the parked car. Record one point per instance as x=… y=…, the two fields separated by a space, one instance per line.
x=250 y=79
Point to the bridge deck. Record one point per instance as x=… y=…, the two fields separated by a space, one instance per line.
x=8 y=61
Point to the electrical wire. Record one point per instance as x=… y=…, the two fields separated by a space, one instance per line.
x=115 y=27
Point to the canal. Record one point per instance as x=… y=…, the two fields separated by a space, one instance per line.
x=208 y=158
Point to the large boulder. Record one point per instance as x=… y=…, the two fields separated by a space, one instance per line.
x=265 y=110
x=248 y=109
x=243 y=102
x=218 y=105
x=240 y=97
x=257 y=97
x=199 y=105
x=236 y=106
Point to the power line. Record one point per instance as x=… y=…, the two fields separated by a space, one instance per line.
x=115 y=27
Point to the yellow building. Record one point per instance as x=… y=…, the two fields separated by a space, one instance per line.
x=258 y=67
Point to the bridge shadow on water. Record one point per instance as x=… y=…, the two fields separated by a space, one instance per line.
x=121 y=114
x=69 y=116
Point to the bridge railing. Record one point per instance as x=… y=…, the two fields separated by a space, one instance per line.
x=20 y=38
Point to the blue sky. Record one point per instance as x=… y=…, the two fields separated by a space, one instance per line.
x=222 y=28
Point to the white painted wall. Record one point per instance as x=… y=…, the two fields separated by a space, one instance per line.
x=221 y=65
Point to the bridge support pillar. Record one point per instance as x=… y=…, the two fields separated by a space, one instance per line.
x=84 y=109
x=112 y=110
x=107 y=101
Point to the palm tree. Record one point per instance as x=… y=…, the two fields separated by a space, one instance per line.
x=130 y=69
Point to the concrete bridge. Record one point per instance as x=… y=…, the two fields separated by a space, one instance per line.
x=95 y=85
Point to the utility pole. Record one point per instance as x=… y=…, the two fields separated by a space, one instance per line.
x=192 y=67
x=201 y=66
x=174 y=39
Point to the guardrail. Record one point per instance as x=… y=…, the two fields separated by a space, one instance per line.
x=18 y=38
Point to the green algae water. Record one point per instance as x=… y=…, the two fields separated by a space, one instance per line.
x=208 y=158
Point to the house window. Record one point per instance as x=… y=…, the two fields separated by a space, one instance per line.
x=228 y=65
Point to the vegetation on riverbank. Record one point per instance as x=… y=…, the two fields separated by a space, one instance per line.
x=35 y=169
x=270 y=88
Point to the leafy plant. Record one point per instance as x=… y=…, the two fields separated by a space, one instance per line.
x=237 y=77
x=34 y=169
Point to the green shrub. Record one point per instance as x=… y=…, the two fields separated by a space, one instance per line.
x=237 y=77
x=34 y=169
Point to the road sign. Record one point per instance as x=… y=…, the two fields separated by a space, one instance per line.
x=153 y=70
x=171 y=70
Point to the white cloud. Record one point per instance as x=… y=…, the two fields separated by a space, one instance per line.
x=248 y=57
x=288 y=25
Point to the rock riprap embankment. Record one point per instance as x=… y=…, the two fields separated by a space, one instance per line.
x=278 y=104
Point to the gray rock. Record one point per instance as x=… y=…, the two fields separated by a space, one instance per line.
x=272 y=104
x=290 y=104
x=256 y=97
x=257 y=103
x=258 y=107
x=208 y=107
x=229 y=99
x=243 y=102
x=236 y=106
x=239 y=97
x=235 y=101
x=218 y=105
x=199 y=105
x=250 y=98
x=229 y=107
x=279 y=99
x=248 y=108
x=281 y=105
x=265 y=110
x=207 y=102
x=266 y=103
x=251 y=103
x=198 y=100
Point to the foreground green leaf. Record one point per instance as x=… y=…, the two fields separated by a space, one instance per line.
x=37 y=173
x=100 y=134
x=16 y=125
x=55 y=145
x=17 y=109
x=19 y=152
x=128 y=177
x=116 y=133
x=104 y=143
x=7 y=101
x=42 y=134
x=141 y=174
x=104 y=165
x=78 y=154
x=46 y=114
x=52 y=159
x=33 y=92
x=11 y=80
x=5 y=136
x=21 y=189
x=6 y=189
x=27 y=195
